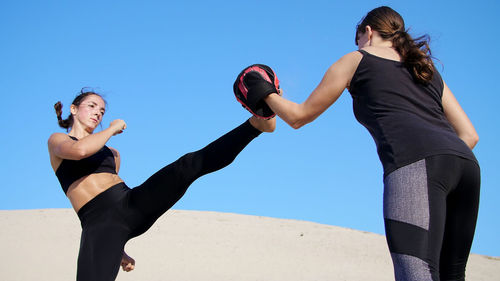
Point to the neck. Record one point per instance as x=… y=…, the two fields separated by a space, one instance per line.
x=381 y=43
x=377 y=41
x=79 y=132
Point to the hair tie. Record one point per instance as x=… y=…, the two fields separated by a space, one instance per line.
x=397 y=32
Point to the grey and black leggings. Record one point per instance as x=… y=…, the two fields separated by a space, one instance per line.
x=118 y=214
x=430 y=212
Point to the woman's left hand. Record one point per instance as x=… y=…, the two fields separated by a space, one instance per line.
x=128 y=263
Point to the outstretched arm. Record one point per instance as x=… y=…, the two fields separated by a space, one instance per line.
x=334 y=82
x=458 y=119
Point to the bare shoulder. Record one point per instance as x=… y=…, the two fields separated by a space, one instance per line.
x=343 y=69
x=56 y=138
x=353 y=57
x=354 y=54
x=349 y=62
x=54 y=143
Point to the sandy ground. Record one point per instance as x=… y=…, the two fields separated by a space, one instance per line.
x=209 y=246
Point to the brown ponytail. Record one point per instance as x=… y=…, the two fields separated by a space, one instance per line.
x=415 y=53
x=68 y=122
x=63 y=123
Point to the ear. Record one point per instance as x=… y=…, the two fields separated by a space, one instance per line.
x=73 y=109
x=369 y=32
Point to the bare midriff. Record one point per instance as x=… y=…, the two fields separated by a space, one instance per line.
x=85 y=189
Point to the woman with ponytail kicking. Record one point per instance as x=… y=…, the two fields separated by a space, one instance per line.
x=110 y=212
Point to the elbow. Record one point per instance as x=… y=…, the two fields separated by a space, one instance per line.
x=471 y=140
x=297 y=124
x=299 y=119
x=80 y=153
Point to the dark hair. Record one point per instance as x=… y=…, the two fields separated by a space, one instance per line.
x=68 y=122
x=415 y=53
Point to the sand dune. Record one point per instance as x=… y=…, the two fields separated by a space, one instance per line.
x=209 y=246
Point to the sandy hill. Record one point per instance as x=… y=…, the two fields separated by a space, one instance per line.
x=208 y=246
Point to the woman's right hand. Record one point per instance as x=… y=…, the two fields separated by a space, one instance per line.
x=117 y=126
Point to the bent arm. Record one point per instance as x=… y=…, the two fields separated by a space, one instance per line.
x=458 y=119
x=65 y=148
x=60 y=145
x=334 y=82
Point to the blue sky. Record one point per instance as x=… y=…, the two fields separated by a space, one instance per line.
x=167 y=69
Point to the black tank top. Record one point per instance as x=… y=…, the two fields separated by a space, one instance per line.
x=103 y=161
x=406 y=119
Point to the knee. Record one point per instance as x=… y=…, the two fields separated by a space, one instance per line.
x=452 y=272
x=190 y=161
x=410 y=268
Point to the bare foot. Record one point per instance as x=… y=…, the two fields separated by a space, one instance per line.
x=263 y=125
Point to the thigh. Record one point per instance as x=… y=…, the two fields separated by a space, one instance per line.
x=407 y=217
x=101 y=250
x=461 y=216
x=430 y=211
x=161 y=191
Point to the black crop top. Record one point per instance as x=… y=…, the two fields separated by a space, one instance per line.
x=103 y=161
x=406 y=119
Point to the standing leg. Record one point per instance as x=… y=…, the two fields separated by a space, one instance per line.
x=163 y=189
x=407 y=222
x=430 y=211
x=462 y=210
x=101 y=250
x=104 y=234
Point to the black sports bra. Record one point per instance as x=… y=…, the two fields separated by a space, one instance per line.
x=103 y=161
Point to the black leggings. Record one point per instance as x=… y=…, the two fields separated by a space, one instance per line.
x=430 y=212
x=118 y=214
